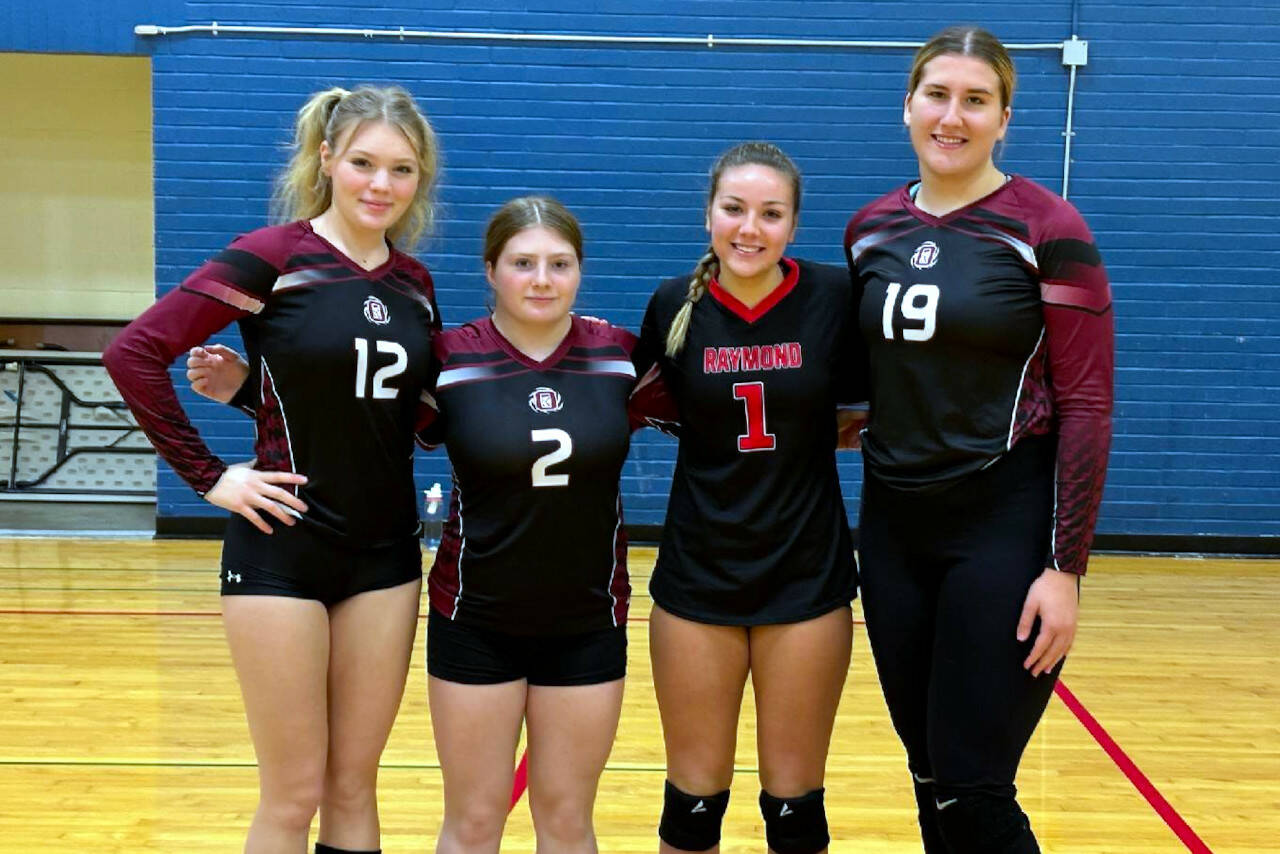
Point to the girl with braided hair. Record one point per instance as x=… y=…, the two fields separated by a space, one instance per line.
x=755 y=573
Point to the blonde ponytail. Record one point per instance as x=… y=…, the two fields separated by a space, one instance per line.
x=302 y=190
x=708 y=268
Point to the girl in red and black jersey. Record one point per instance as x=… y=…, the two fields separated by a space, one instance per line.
x=529 y=591
x=755 y=573
x=321 y=567
x=987 y=315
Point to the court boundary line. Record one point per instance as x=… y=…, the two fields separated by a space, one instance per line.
x=1130 y=769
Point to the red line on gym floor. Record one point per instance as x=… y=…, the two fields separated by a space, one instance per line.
x=55 y=612
x=1126 y=765
x=1139 y=780
x=66 y=612
x=521 y=781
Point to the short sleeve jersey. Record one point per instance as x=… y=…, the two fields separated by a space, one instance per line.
x=341 y=355
x=756 y=531
x=534 y=543
x=983 y=326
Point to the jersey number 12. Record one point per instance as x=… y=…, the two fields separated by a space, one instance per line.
x=380 y=391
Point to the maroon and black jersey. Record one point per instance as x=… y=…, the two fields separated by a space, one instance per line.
x=534 y=542
x=756 y=531
x=340 y=354
x=983 y=326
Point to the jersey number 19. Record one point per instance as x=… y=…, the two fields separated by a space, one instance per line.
x=919 y=304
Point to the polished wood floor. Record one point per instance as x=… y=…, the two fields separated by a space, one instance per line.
x=121 y=729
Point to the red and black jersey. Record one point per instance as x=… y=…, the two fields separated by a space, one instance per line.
x=341 y=356
x=756 y=531
x=534 y=542
x=983 y=326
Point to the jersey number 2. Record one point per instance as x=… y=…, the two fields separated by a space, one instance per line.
x=756 y=438
x=560 y=454
x=383 y=374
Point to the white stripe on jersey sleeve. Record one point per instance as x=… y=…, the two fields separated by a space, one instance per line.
x=453 y=376
x=875 y=238
x=299 y=278
x=618 y=367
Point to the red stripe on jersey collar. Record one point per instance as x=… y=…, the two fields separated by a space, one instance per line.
x=753 y=313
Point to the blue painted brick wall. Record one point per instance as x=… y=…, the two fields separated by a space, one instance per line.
x=1174 y=167
x=81 y=26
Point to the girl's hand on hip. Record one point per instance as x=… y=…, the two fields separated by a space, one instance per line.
x=247 y=491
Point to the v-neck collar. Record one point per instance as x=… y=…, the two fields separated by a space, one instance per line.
x=909 y=202
x=347 y=261
x=753 y=313
x=528 y=361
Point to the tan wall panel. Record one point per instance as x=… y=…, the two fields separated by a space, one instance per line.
x=77 y=217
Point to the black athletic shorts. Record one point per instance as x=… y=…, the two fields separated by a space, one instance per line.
x=460 y=653
x=296 y=561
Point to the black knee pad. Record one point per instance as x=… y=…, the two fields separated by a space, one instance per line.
x=795 y=825
x=321 y=848
x=983 y=821
x=691 y=822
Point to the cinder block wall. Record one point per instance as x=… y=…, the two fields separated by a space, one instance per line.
x=1176 y=119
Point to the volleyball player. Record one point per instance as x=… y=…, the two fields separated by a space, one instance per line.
x=529 y=591
x=755 y=573
x=321 y=567
x=987 y=313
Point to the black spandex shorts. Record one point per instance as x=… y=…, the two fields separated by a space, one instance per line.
x=459 y=653
x=296 y=561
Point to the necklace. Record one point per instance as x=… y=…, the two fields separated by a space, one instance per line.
x=363 y=260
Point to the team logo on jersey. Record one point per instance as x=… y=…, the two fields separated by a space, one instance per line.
x=545 y=400
x=375 y=311
x=925 y=256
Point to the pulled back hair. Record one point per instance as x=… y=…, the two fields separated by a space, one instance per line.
x=708 y=267
x=303 y=191
x=967 y=41
x=530 y=212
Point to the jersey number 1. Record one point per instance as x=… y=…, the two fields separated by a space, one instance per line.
x=756 y=438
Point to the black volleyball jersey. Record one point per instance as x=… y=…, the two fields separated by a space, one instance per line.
x=534 y=543
x=983 y=326
x=756 y=531
x=340 y=354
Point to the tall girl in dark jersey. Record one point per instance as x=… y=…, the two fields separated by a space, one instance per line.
x=321 y=568
x=755 y=573
x=987 y=314
x=529 y=591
